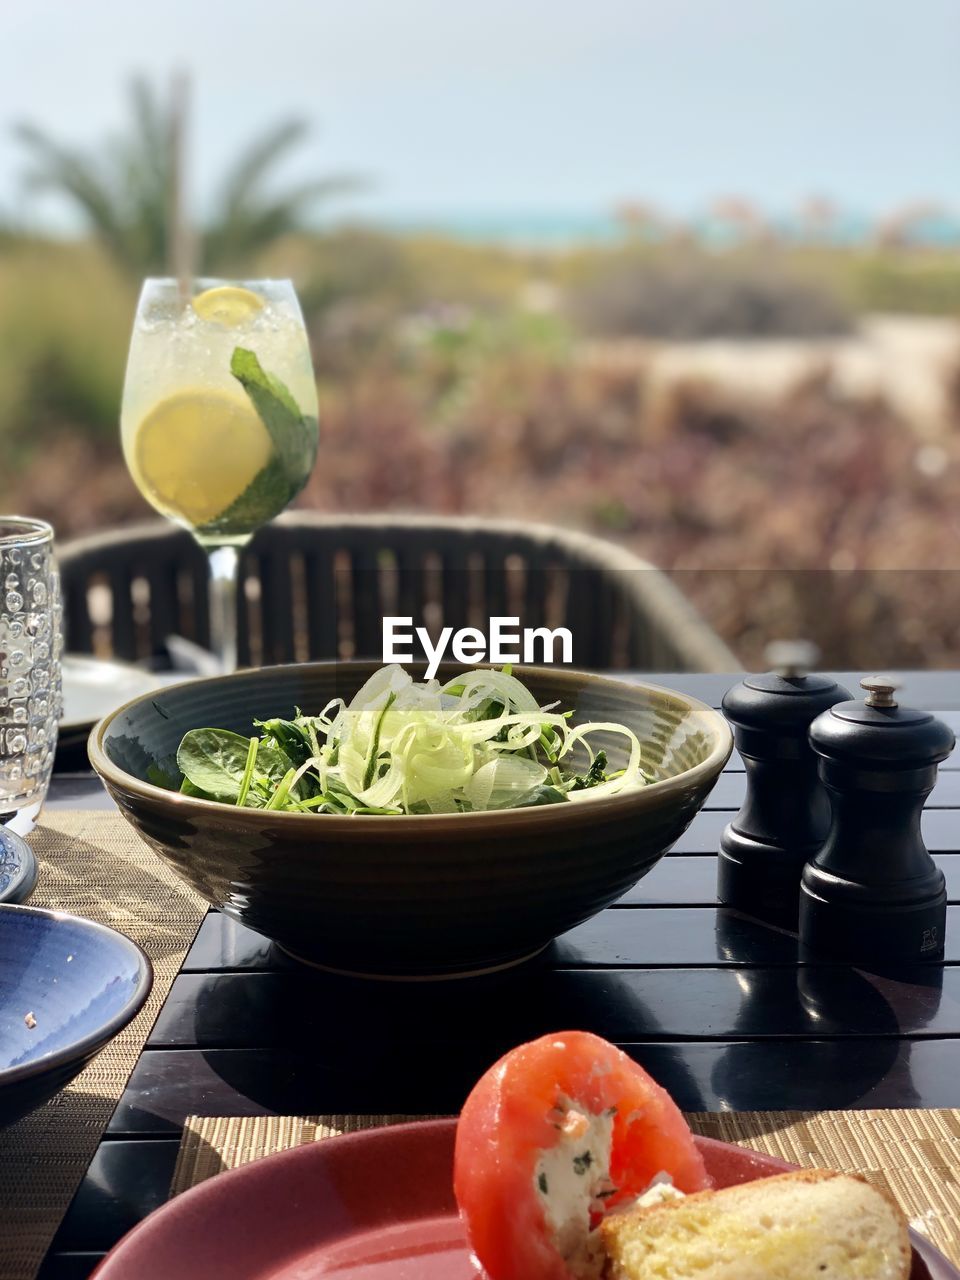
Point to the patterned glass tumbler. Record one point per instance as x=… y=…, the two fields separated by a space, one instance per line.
x=30 y=691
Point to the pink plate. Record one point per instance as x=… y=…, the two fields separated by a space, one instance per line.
x=376 y=1205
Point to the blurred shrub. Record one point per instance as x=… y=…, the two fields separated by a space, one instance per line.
x=356 y=284
x=355 y=263
x=811 y=517
x=478 y=275
x=630 y=296
x=450 y=349
x=65 y=319
x=953 y=394
x=408 y=270
x=921 y=284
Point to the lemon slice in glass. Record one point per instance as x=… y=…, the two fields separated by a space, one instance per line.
x=228 y=305
x=197 y=451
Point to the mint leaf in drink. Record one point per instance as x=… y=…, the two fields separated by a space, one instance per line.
x=294 y=439
x=292 y=432
x=265 y=496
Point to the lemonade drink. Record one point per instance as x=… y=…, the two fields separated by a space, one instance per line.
x=219 y=416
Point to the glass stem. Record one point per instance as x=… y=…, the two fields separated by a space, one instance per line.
x=224 y=573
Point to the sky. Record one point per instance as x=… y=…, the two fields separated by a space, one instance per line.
x=494 y=105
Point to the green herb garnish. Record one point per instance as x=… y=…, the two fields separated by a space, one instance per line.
x=596 y=774
x=294 y=438
x=292 y=432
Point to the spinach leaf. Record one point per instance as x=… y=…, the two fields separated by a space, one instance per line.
x=213 y=761
x=544 y=794
x=272 y=762
x=340 y=795
x=188 y=789
x=161 y=777
x=291 y=738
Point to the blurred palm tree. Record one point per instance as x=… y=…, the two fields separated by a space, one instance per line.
x=125 y=190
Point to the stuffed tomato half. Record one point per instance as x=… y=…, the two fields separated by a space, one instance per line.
x=557 y=1134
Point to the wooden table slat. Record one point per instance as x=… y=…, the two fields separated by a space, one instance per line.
x=127 y=1179
x=667 y=937
x=800 y=1074
x=222 y=1011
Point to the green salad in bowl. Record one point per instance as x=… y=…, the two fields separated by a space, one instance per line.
x=393 y=827
x=480 y=741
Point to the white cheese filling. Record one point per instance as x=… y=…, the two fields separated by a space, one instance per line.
x=660 y=1189
x=572 y=1180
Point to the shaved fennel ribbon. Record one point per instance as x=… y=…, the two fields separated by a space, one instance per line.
x=481 y=741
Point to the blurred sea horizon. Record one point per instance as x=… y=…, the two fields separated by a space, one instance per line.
x=919 y=225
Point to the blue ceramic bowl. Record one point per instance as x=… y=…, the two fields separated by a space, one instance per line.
x=18 y=868
x=67 y=986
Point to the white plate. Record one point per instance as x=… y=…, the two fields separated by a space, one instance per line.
x=92 y=689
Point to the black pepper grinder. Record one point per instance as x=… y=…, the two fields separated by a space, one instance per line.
x=873 y=892
x=786 y=814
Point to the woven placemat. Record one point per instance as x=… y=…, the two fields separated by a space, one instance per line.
x=915 y=1155
x=92 y=864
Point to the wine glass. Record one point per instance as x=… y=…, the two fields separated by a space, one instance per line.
x=219 y=418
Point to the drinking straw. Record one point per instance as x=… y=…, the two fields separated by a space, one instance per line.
x=180 y=243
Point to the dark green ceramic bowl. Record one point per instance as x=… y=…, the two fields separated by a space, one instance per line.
x=411 y=896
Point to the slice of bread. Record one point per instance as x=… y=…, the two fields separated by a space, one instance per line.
x=809 y=1225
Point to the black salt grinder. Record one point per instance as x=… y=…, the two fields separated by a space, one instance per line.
x=873 y=893
x=786 y=814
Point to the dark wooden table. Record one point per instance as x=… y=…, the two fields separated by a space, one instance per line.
x=715 y=1006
